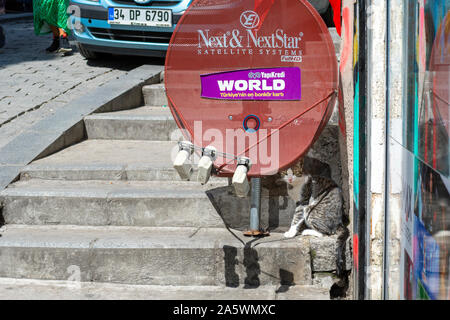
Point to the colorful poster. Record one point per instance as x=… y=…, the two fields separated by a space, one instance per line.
x=421 y=292
x=407 y=228
x=408 y=281
x=426 y=262
x=425 y=235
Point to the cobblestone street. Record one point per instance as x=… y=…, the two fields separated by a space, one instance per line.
x=34 y=84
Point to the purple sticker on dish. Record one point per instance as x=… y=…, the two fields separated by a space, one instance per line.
x=253 y=84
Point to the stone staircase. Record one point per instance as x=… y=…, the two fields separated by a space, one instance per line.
x=111 y=213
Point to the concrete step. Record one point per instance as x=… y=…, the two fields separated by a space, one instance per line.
x=155 y=95
x=140 y=203
x=104 y=203
x=152 y=256
x=145 y=123
x=108 y=160
x=135 y=179
x=26 y=289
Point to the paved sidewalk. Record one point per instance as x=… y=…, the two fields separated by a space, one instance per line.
x=24 y=289
x=15 y=16
x=34 y=84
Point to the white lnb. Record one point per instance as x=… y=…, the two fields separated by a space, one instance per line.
x=182 y=163
x=205 y=164
x=240 y=181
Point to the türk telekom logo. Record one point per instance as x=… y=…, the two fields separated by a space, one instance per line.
x=250 y=19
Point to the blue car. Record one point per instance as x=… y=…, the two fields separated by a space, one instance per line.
x=137 y=27
x=128 y=27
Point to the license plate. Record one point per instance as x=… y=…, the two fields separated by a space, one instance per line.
x=140 y=17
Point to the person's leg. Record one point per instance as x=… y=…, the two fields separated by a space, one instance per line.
x=55 y=31
x=64 y=47
x=62 y=33
x=55 y=44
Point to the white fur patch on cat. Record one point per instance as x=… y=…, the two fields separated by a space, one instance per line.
x=313 y=233
x=293 y=232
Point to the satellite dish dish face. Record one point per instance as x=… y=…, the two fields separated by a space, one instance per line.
x=253 y=78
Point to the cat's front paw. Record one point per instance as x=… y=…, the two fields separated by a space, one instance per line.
x=291 y=233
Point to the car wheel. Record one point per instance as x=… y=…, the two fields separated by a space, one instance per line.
x=88 y=54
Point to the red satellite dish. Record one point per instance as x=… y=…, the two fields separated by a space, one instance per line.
x=253 y=78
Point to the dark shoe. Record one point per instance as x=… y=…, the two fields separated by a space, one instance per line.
x=64 y=47
x=54 y=46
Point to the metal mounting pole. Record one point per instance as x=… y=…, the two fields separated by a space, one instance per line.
x=255 y=210
x=255 y=204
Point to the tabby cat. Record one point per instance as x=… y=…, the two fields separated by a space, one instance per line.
x=320 y=208
x=320 y=212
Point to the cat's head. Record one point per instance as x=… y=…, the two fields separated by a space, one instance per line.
x=291 y=180
x=289 y=177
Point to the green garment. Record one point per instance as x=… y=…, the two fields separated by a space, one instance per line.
x=50 y=12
